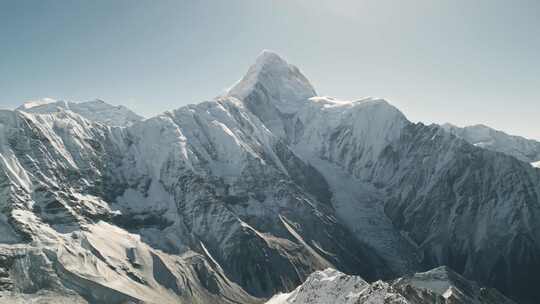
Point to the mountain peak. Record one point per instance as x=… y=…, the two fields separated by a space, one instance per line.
x=274 y=76
x=268 y=57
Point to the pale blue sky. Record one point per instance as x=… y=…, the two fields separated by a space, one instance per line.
x=459 y=61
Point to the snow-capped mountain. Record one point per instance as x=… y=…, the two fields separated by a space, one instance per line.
x=524 y=149
x=440 y=285
x=238 y=198
x=95 y=110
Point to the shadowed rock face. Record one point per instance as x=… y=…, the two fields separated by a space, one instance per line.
x=244 y=196
x=469 y=208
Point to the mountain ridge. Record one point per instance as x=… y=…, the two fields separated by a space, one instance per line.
x=95 y=110
x=524 y=149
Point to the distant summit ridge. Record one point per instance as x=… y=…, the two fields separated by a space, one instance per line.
x=95 y=110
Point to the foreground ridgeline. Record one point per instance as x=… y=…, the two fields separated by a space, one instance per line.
x=438 y=286
x=244 y=197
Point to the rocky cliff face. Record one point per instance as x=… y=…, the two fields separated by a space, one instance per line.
x=244 y=196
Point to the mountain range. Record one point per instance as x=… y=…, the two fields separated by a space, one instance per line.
x=246 y=196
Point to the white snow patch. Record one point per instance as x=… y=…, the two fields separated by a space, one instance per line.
x=448 y=293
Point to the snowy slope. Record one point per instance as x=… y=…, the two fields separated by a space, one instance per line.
x=341 y=139
x=95 y=110
x=244 y=194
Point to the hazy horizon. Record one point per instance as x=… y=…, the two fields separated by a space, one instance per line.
x=457 y=62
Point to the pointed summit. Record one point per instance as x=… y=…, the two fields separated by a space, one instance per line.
x=269 y=57
x=273 y=76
